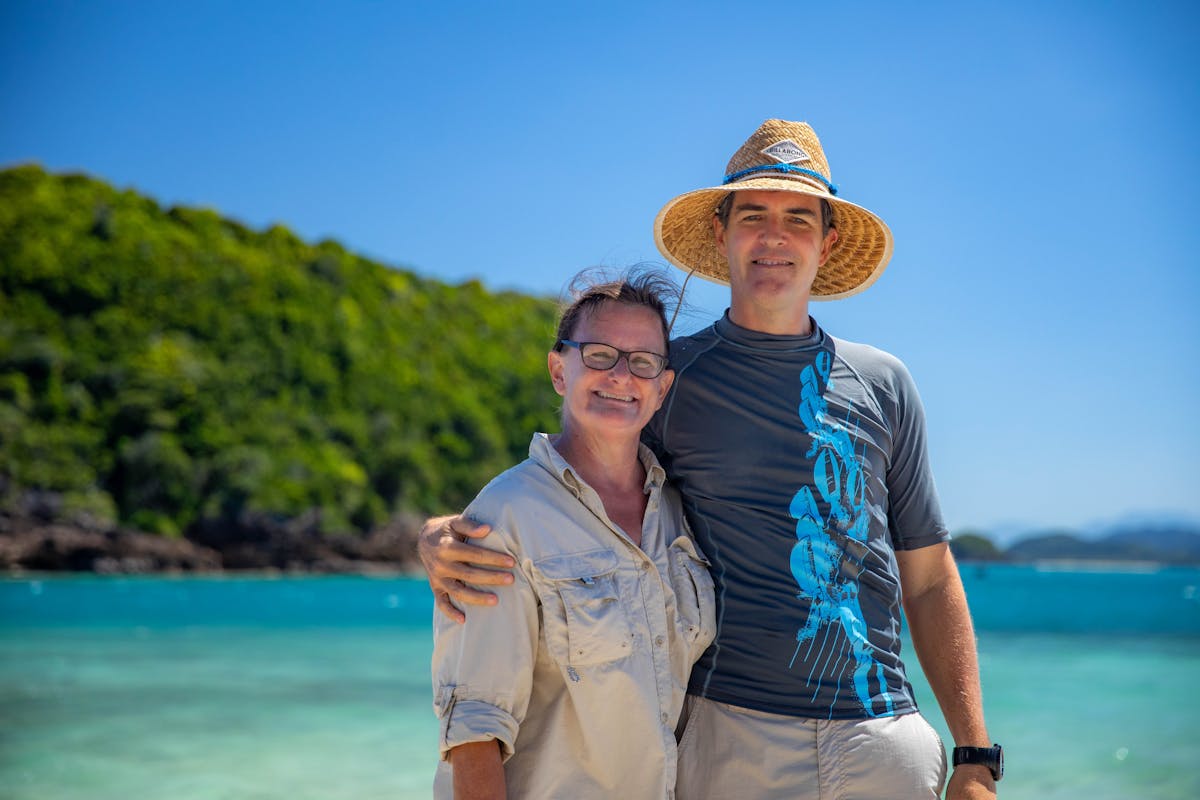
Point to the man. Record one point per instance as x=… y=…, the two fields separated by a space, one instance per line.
x=803 y=466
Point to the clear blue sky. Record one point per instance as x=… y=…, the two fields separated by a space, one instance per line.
x=1036 y=162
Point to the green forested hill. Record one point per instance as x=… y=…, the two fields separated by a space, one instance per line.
x=160 y=367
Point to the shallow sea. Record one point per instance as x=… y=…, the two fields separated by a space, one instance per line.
x=264 y=688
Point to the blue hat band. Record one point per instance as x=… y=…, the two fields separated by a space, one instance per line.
x=784 y=168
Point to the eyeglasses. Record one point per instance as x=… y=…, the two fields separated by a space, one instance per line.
x=601 y=356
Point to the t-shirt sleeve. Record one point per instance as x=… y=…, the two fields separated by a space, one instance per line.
x=914 y=512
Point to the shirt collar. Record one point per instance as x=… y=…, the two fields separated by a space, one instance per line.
x=542 y=452
x=730 y=331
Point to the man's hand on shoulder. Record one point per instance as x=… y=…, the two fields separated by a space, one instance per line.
x=452 y=563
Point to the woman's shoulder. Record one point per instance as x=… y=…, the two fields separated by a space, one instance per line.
x=517 y=485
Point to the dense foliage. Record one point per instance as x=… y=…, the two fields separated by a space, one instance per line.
x=163 y=367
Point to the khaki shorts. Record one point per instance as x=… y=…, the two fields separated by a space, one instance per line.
x=732 y=752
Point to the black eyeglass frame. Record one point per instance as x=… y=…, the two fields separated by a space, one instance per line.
x=662 y=360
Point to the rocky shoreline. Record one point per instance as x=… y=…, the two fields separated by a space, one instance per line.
x=251 y=543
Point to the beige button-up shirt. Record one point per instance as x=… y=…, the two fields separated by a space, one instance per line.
x=581 y=669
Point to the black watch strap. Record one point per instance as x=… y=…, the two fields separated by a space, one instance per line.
x=990 y=757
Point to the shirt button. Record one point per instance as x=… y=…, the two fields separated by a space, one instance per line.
x=645 y=566
x=664 y=718
x=659 y=641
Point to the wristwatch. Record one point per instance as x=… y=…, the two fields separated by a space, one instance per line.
x=990 y=757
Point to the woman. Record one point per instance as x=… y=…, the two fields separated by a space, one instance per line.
x=572 y=684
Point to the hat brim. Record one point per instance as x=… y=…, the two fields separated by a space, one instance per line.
x=683 y=231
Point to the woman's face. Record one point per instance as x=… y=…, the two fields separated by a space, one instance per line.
x=614 y=400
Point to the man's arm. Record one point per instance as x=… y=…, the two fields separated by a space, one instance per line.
x=935 y=606
x=451 y=563
x=478 y=771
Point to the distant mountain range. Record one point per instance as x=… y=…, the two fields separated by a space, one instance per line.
x=1170 y=543
x=1007 y=533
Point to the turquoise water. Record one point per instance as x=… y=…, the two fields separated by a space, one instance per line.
x=318 y=687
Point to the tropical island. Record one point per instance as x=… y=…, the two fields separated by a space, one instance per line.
x=179 y=392
x=191 y=394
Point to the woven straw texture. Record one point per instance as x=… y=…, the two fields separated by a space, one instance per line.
x=684 y=235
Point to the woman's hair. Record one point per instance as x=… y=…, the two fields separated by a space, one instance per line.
x=637 y=286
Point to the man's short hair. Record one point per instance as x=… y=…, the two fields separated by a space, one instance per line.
x=726 y=206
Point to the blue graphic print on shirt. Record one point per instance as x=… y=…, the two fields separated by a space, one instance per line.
x=828 y=555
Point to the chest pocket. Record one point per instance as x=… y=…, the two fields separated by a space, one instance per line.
x=583 y=617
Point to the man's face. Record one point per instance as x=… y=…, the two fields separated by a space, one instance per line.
x=774 y=246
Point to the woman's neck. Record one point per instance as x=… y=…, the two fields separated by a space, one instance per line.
x=608 y=464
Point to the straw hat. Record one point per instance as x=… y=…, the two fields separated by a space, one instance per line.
x=786 y=157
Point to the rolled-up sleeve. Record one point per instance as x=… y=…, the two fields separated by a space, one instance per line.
x=483 y=669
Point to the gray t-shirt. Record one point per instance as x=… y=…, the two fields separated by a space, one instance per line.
x=803 y=467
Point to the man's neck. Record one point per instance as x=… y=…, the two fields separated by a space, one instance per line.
x=782 y=322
